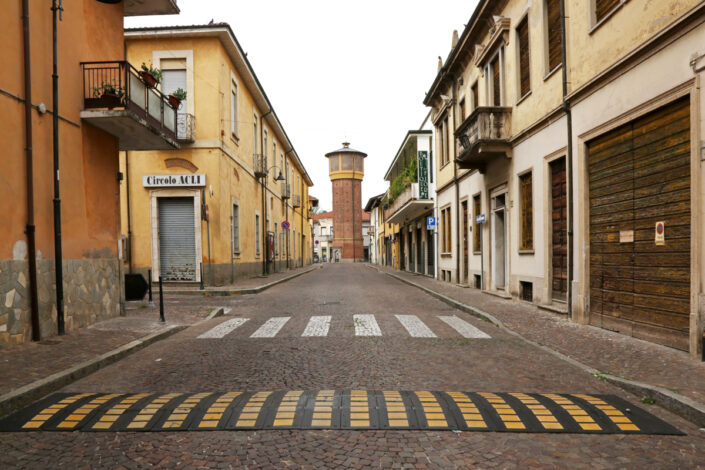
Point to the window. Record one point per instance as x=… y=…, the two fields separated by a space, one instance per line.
x=553 y=28
x=527 y=212
x=494 y=78
x=236 y=228
x=275 y=239
x=524 y=64
x=233 y=109
x=274 y=158
x=264 y=145
x=254 y=144
x=443 y=144
x=604 y=7
x=475 y=96
x=257 y=229
x=461 y=109
x=446 y=229
x=323 y=231
x=476 y=228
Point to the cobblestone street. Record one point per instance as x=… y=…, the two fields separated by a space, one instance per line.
x=347 y=327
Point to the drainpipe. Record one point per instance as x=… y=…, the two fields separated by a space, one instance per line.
x=264 y=195
x=286 y=206
x=30 y=227
x=129 y=219
x=569 y=156
x=58 y=255
x=457 y=189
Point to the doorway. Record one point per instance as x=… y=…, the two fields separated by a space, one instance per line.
x=499 y=240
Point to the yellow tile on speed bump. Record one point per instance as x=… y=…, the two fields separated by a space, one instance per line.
x=245 y=423
x=513 y=425
x=359 y=423
x=398 y=422
x=209 y=424
x=590 y=427
x=437 y=423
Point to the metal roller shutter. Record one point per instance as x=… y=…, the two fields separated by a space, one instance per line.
x=177 y=239
x=640 y=175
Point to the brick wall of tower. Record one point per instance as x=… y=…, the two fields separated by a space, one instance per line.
x=347 y=218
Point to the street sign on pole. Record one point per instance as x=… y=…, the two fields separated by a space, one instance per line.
x=480 y=219
x=285 y=225
x=430 y=223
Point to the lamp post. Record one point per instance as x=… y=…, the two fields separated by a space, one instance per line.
x=265 y=234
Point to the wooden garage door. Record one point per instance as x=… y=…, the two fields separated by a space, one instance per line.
x=640 y=175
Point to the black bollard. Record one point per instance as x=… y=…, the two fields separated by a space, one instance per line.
x=202 y=287
x=161 y=301
x=149 y=275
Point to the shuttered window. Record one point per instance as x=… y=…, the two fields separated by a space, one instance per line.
x=527 y=212
x=496 y=83
x=475 y=96
x=233 y=111
x=236 y=228
x=257 y=239
x=553 y=26
x=524 y=65
x=445 y=226
x=477 y=210
x=604 y=8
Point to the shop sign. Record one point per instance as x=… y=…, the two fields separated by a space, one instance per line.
x=168 y=181
x=423 y=174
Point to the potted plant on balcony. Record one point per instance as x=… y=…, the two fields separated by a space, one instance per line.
x=177 y=97
x=109 y=94
x=150 y=76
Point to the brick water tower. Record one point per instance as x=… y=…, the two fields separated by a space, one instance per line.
x=346 y=169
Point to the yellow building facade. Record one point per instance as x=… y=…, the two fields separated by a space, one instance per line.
x=216 y=203
x=89 y=139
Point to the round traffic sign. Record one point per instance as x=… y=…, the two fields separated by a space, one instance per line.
x=285 y=225
x=659 y=228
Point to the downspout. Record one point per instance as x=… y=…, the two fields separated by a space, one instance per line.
x=264 y=195
x=457 y=189
x=129 y=219
x=58 y=252
x=286 y=206
x=569 y=156
x=30 y=228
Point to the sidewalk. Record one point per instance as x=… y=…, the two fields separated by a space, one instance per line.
x=612 y=355
x=250 y=285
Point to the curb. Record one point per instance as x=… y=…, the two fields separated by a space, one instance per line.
x=674 y=402
x=243 y=291
x=30 y=393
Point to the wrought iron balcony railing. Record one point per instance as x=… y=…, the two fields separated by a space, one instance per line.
x=296 y=200
x=115 y=85
x=185 y=124
x=286 y=190
x=259 y=164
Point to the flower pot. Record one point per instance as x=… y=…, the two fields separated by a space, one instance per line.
x=148 y=79
x=174 y=102
x=110 y=100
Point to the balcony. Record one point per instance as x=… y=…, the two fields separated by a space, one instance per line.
x=185 y=124
x=259 y=164
x=407 y=206
x=286 y=191
x=296 y=201
x=483 y=136
x=117 y=101
x=152 y=7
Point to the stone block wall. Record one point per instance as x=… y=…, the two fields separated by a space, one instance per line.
x=91 y=294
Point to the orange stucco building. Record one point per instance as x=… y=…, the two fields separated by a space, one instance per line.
x=89 y=141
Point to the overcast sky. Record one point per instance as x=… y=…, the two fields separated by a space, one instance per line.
x=337 y=70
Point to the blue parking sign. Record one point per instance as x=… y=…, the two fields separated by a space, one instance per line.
x=430 y=223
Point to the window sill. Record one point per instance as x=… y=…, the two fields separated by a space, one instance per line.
x=477 y=252
x=609 y=15
x=446 y=255
x=550 y=73
x=526 y=252
x=528 y=93
x=235 y=139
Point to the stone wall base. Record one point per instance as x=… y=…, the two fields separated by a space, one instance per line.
x=91 y=294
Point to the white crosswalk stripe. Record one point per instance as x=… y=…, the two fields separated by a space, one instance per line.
x=366 y=325
x=224 y=328
x=270 y=328
x=464 y=328
x=318 y=326
x=415 y=326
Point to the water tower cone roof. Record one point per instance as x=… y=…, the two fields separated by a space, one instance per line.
x=345 y=149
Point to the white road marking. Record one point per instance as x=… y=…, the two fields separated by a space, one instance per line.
x=270 y=328
x=317 y=326
x=226 y=311
x=415 y=326
x=224 y=328
x=464 y=328
x=366 y=325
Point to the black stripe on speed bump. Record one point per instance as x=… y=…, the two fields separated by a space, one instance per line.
x=646 y=422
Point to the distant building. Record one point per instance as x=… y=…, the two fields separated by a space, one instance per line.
x=323 y=236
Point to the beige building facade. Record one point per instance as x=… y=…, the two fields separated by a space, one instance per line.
x=233 y=201
x=577 y=169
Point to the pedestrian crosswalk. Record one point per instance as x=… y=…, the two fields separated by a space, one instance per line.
x=364 y=325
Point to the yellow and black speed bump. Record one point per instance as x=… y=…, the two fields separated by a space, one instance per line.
x=337 y=409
